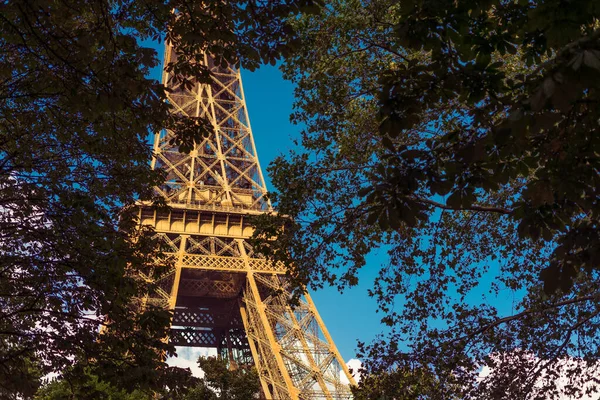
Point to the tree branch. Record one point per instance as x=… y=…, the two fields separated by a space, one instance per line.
x=499 y=210
x=504 y=320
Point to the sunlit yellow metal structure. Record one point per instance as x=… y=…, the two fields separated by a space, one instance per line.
x=223 y=294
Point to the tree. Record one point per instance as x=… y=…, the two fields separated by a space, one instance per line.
x=90 y=387
x=76 y=107
x=458 y=138
x=398 y=384
x=221 y=382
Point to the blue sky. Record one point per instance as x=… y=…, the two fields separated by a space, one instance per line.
x=349 y=316
x=269 y=98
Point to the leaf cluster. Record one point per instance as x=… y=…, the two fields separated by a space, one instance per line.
x=532 y=125
x=219 y=382
x=457 y=141
x=76 y=108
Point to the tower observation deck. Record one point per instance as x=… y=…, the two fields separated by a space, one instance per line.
x=223 y=294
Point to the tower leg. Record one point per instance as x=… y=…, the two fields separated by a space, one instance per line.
x=177 y=279
x=260 y=330
x=332 y=347
x=261 y=370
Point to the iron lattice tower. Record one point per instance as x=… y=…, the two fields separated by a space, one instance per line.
x=223 y=294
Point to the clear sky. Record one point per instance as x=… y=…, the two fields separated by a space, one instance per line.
x=349 y=316
x=269 y=98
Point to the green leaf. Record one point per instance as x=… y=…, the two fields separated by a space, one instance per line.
x=483 y=59
x=548 y=86
x=591 y=59
x=455 y=200
x=394 y=219
x=387 y=143
x=576 y=61
x=383 y=221
x=551 y=279
x=365 y=191
x=372 y=217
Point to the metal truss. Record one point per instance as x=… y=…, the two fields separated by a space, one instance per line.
x=223 y=170
x=223 y=294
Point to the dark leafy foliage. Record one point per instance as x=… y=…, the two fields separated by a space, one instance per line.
x=86 y=386
x=222 y=382
x=458 y=138
x=219 y=382
x=76 y=107
x=397 y=385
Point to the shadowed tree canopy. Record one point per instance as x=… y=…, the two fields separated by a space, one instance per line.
x=397 y=384
x=459 y=139
x=76 y=108
x=222 y=383
x=219 y=382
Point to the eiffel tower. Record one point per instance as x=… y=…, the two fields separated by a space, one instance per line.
x=223 y=294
